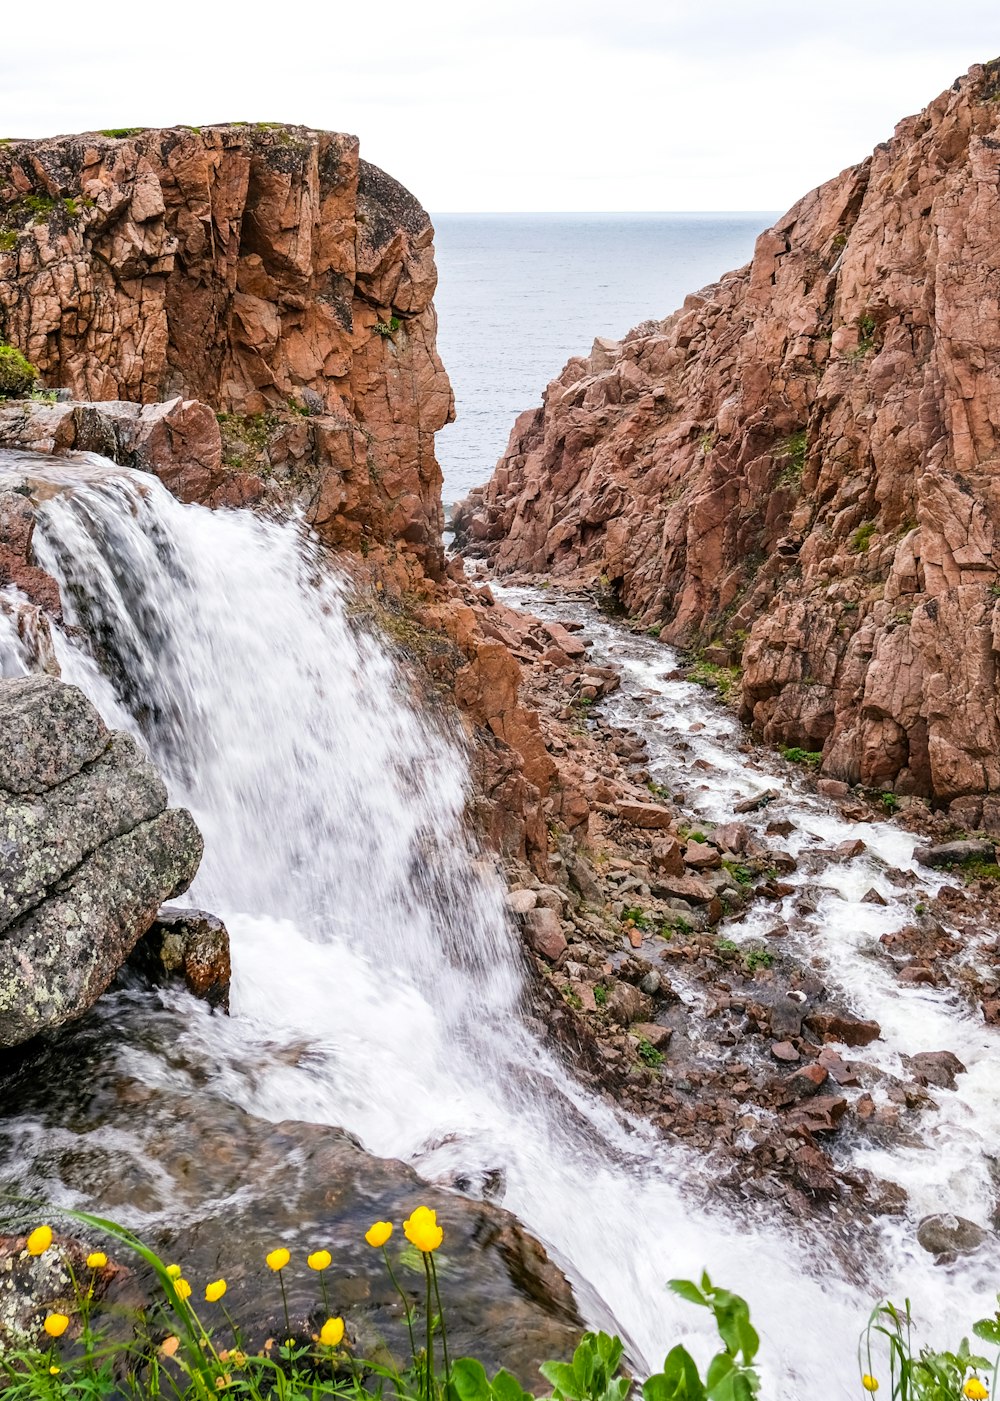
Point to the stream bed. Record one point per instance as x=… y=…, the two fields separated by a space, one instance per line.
x=379 y=985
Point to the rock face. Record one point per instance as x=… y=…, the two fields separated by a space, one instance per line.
x=265 y=270
x=801 y=466
x=89 y=851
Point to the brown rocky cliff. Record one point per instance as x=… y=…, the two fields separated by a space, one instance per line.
x=265 y=270
x=803 y=463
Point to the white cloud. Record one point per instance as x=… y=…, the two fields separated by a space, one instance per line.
x=517 y=104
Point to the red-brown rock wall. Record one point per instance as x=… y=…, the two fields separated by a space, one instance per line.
x=802 y=463
x=265 y=270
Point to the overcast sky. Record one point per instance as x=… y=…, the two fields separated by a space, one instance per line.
x=515 y=104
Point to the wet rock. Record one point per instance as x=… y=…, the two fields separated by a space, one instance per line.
x=947 y=854
x=650 y=984
x=843 y=1027
x=847 y=851
x=946 y=1235
x=936 y=1068
x=191 y=946
x=785 y=1017
x=820 y=1114
x=224 y=1187
x=840 y=1072
x=758 y=801
x=784 y=1050
x=519 y=902
x=544 y=933
x=803 y=1083
x=873 y=897
x=91 y=852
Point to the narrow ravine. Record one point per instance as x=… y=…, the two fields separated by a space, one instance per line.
x=378 y=983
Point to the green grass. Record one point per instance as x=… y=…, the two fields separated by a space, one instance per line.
x=17 y=373
x=861 y=538
x=387 y=328
x=811 y=757
x=723 y=679
x=635 y=915
x=757 y=958
x=120 y=131
x=741 y=874
x=648 y=1053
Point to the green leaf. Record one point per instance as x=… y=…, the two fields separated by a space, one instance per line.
x=506 y=1387
x=679 y=1380
x=689 y=1291
x=988 y=1329
x=563 y=1378
x=469 y=1380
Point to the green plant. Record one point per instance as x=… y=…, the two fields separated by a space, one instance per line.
x=724 y=679
x=741 y=874
x=676 y=924
x=920 y=909
x=730 y=1375
x=812 y=757
x=648 y=1053
x=8 y=240
x=634 y=914
x=120 y=131
x=387 y=328
x=757 y=958
x=861 y=538
x=867 y=326
x=890 y=802
x=600 y=994
x=725 y=948
x=922 y=1374
x=706 y=442
x=697 y=837
x=791 y=453
x=17 y=374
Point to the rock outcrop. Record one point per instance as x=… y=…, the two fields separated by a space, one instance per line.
x=801 y=467
x=88 y=852
x=265 y=270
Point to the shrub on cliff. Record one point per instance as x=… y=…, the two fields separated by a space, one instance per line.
x=17 y=375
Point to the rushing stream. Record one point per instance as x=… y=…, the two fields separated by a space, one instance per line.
x=368 y=929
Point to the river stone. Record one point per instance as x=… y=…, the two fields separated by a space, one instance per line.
x=88 y=853
x=954 y=853
x=189 y=946
x=945 y=1234
x=936 y=1068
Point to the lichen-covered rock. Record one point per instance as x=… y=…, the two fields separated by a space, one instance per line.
x=800 y=463
x=191 y=946
x=88 y=852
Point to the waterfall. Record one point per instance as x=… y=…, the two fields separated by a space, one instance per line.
x=369 y=930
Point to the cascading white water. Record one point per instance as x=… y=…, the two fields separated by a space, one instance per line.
x=377 y=982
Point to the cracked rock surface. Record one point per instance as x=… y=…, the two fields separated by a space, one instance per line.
x=88 y=852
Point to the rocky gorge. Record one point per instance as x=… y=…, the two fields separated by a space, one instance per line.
x=175 y=290
x=793 y=474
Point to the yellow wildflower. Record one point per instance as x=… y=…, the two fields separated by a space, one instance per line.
x=975 y=1390
x=183 y=1288
x=222 y=1381
x=278 y=1259
x=56 y=1324
x=319 y=1259
x=173 y=1272
x=869 y=1383
x=378 y=1233
x=215 y=1290
x=39 y=1240
x=332 y=1332
x=96 y=1260
x=422 y=1230
x=54 y=1371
